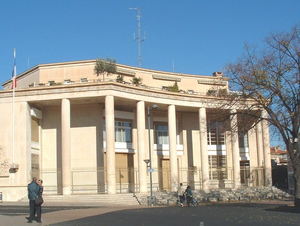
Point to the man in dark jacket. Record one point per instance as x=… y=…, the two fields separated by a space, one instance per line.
x=33 y=191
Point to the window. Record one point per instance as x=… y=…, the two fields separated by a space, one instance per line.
x=161 y=134
x=215 y=135
x=34 y=162
x=217 y=167
x=122 y=131
x=35 y=130
x=245 y=171
x=243 y=140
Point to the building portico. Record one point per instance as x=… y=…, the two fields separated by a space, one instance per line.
x=92 y=137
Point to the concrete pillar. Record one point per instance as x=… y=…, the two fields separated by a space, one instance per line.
x=266 y=148
x=141 y=146
x=110 y=145
x=235 y=150
x=173 y=147
x=260 y=157
x=66 y=147
x=203 y=149
x=100 y=153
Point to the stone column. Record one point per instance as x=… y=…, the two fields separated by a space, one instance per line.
x=204 y=149
x=110 y=145
x=260 y=155
x=266 y=148
x=235 y=149
x=141 y=146
x=66 y=147
x=173 y=147
x=100 y=153
x=259 y=141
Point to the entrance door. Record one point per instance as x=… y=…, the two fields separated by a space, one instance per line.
x=165 y=174
x=124 y=172
x=245 y=173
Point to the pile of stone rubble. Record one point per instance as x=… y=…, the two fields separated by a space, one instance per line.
x=222 y=195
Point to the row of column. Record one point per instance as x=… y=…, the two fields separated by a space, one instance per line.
x=141 y=147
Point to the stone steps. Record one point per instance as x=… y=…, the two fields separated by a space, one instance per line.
x=95 y=199
x=168 y=198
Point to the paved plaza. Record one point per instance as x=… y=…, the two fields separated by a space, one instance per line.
x=251 y=213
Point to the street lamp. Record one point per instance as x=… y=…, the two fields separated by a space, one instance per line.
x=150 y=170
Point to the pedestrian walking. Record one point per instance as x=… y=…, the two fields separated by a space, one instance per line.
x=39 y=207
x=33 y=191
x=189 y=196
x=180 y=193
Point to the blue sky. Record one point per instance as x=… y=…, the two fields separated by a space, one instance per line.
x=187 y=36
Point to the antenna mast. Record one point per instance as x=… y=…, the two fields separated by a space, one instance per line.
x=139 y=34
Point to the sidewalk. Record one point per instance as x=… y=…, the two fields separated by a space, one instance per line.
x=55 y=213
x=59 y=216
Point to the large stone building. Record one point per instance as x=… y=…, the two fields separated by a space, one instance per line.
x=81 y=134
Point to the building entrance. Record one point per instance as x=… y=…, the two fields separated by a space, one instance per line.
x=165 y=175
x=125 y=172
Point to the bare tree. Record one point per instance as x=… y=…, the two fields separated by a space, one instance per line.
x=105 y=67
x=271 y=77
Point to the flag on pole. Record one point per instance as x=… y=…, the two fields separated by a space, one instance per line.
x=14 y=73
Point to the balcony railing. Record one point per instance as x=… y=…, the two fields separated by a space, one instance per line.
x=86 y=81
x=92 y=181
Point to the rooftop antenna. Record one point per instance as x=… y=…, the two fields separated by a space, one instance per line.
x=139 y=38
x=173 y=66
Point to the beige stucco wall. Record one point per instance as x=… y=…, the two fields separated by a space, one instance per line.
x=74 y=71
x=51 y=142
x=21 y=152
x=192 y=142
x=85 y=136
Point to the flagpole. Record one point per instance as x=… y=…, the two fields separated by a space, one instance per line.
x=13 y=128
x=13 y=106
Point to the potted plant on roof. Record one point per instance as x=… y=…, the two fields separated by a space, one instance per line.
x=105 y=67
x=174 y=88
x=136 y=81
x=120 y=79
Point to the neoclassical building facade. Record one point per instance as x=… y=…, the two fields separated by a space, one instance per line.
x=81 y=134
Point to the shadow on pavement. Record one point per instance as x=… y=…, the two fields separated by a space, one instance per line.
x=24 y=210
x=215 y=214
x=285 y=209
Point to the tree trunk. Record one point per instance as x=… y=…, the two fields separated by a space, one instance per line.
x=294 y=150
x=297 y=185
